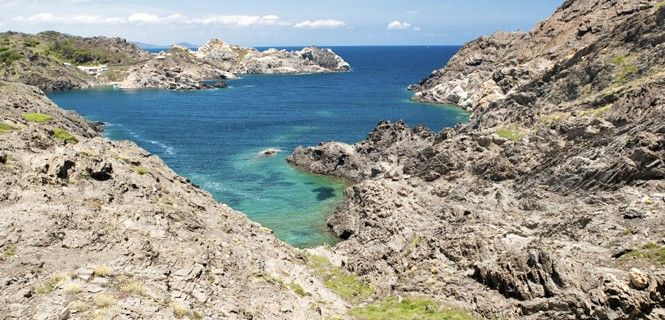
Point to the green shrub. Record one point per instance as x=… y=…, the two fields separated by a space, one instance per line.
x=10 y=56
x=68 y=50
x=344 y=284
x=64 y=135
x=141 y=171
x=408 y=309
x=37 y=117
x=32 y=43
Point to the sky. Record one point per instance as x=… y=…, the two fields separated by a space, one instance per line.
x=278 y=22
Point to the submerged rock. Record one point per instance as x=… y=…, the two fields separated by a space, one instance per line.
x=270 y=152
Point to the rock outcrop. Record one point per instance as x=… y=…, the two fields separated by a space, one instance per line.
x=550 y=202
x=91 y=228
x=182 y=69
x=240 y=60
x=175 y=69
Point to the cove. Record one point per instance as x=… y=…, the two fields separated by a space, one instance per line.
x=215 y=137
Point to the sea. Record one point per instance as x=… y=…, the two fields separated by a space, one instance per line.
x=215 y=137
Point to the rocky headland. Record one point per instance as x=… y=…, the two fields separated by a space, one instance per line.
x=180 y=68
x=242 y=60
x=175 y=69
x=50 y=60
x=54 y=61
x=550 y=202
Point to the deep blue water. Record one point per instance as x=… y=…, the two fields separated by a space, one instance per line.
x=214 y=137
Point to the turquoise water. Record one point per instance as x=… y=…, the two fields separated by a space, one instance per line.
x=215 y=137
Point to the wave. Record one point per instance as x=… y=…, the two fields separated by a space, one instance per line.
x=168 y=150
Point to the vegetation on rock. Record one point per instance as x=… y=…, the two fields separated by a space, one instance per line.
x=408 y=309
x=37 y=117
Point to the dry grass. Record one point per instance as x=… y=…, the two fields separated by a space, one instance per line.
x=103 y=271
x=104 y=300
x=134 y=287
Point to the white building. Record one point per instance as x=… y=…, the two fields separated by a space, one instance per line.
x=94 y=70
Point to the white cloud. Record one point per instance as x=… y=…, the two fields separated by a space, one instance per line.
x=241 y=21
x=49 y=17
x=147 y=18
x=317 y=24
x=398 y=25
x=39 y=17
x=416 y=29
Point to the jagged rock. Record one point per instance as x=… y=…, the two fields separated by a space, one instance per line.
x=638 y=279
x=101 y=172
x=564 y=145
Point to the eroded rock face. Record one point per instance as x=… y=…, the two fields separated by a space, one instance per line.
x=105 y=229
x=542 y=204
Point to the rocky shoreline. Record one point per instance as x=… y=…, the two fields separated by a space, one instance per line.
x=92 y=228
x=550 y=202
x=53 y=62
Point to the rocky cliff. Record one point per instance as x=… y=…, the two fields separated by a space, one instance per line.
x=91 y=228
x=550 y=203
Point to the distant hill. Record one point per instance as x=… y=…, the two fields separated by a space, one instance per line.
x=49 y=59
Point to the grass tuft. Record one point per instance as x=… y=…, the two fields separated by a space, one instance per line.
x=74 y=288
x=180 y=311
x=6 y=127
x=141 y=171
x=660 y=5
x=135 y=288
x=103 y=271
x=408 y=309
x=104 y=300
x=625 y=69
x=649 y=252
x=78 y=306
x=37 y=117
x=64 y=135
x=298 y=289
x=511 y=134
x=344 y=284
x=10 y=251
x=52 y=283
x=596 y=113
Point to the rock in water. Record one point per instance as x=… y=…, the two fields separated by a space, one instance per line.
x=269 y=152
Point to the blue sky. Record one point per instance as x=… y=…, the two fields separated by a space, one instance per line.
x=278 y=22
